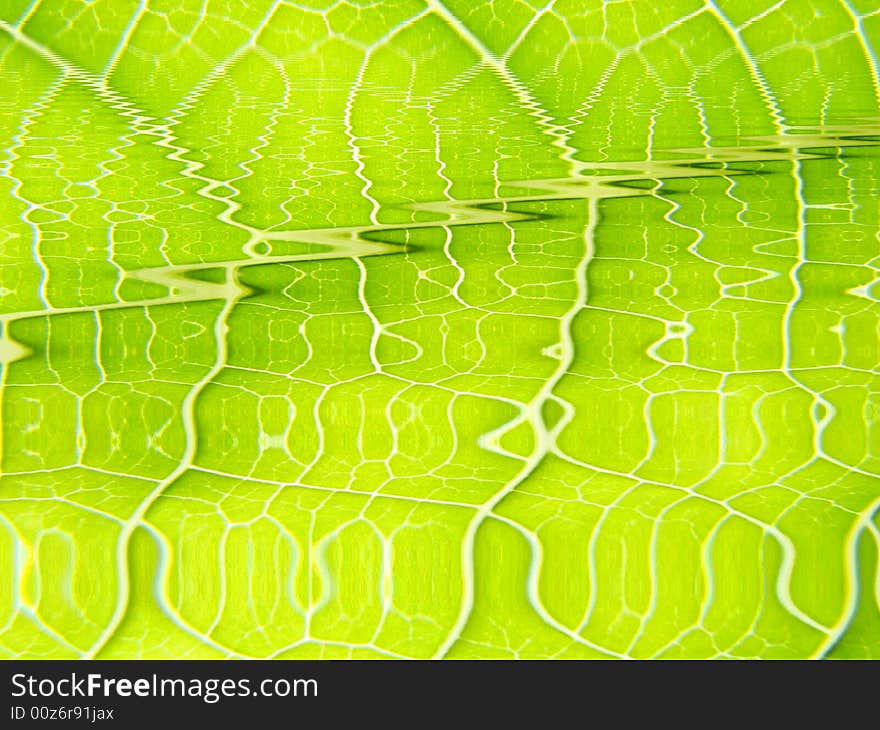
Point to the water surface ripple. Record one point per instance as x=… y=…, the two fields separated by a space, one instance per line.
x=439 y=329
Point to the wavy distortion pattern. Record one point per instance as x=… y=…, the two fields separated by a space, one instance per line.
x=520 y=328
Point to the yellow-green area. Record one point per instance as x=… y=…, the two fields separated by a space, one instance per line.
x=445 y=328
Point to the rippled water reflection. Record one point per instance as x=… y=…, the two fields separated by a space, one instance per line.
x=447 y=329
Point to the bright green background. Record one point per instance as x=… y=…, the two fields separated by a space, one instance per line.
x=258 y=400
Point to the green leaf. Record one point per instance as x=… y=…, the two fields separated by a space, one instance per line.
x=439 y=329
